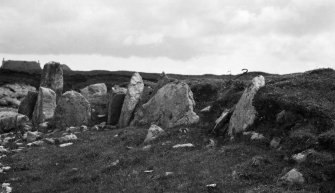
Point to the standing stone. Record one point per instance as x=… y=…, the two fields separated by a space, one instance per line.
x=72 y=110
x=12 y=121
x=162 y=81
x=45 y=106
x=171 y=106
x=97 y=96
x=28 y=104
x=134 y=92
x=52 y=77
x=245 y=113
x=115 y=102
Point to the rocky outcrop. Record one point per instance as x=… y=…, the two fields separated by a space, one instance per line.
x=72 y=110
x=28 y=104
x=52 y=77
x=134 y=92
x=45 y=106
x=171 y=106
x=244 y=114
x=11 y=121
x=115 y=102
x=21 y=66
x=13 y=94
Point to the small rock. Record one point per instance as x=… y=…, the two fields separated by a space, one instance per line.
x=300 y=157
x=67 y=138
x=83 y=128
x=36 y=143
x=169 y=173
x=32 y=136
x=148 y=171
x=153 y=133
x=206 y=109
x=275 y=142
x=293 y=177
x=183 y=145
x=115 y=163
x=3 y=150
x=184 y=130
x=43 y=126
x=65 y=144
x=147 y=147
x=258 y=161
x=6 y=188
x=257 y=136
x=73 y=129
x=49 y=141
x=211 y=144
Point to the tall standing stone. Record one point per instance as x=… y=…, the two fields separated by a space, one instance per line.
x=134 y=92
x=244 y=114
x=115 y=102
x=52 y=77
x=72 y=110
x=45 y=106
x=28 y=104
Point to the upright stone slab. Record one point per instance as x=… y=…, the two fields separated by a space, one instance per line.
x=97 y=96
x=72 y=110
x=171 y=106
x=134 y=92
x=45 y=106
x=52 y=77
x=28 y=104
x=245 y=113
x=115 y=102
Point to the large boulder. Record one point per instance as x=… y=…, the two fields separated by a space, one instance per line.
x=13 y=94
x=97 y=96
x=171 y=106
x=134 y=92
x=115 y=102
x=11 y=121
x=28 y=104
x=52 y=77
x=72 y=110
x=45 y=106
x=244 y=114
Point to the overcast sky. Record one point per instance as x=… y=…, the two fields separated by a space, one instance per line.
x=175 y=36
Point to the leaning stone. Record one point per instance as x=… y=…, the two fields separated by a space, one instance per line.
x=245 y=113
x=28 y=104
x=52 y=77
x=72 y=110
x=153 y=133
x=134 y=92
x=45 y=106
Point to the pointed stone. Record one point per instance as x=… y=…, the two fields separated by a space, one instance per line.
x=52 y=77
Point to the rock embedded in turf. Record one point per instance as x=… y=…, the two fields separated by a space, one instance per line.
x=45 y=106
x=293 y=177
x=72 y=110
x=244 y=114
x=153 y=133
x=134 y=92
x=172 y=106
x=52 y=77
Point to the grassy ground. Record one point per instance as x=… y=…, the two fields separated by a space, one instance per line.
x=115 y=161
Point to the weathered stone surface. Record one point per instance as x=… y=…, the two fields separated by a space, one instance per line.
x=245 y=113
x=45 y=106
x=28 y=104
x=171 y=106
x=134 y=92
x=12 y=94
x=162 y=81
x=11 y=121
x=153 y=133
x=72 y=110
x=115 y=102
x=97 y=96
x=293 y=177
x=52 y=77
